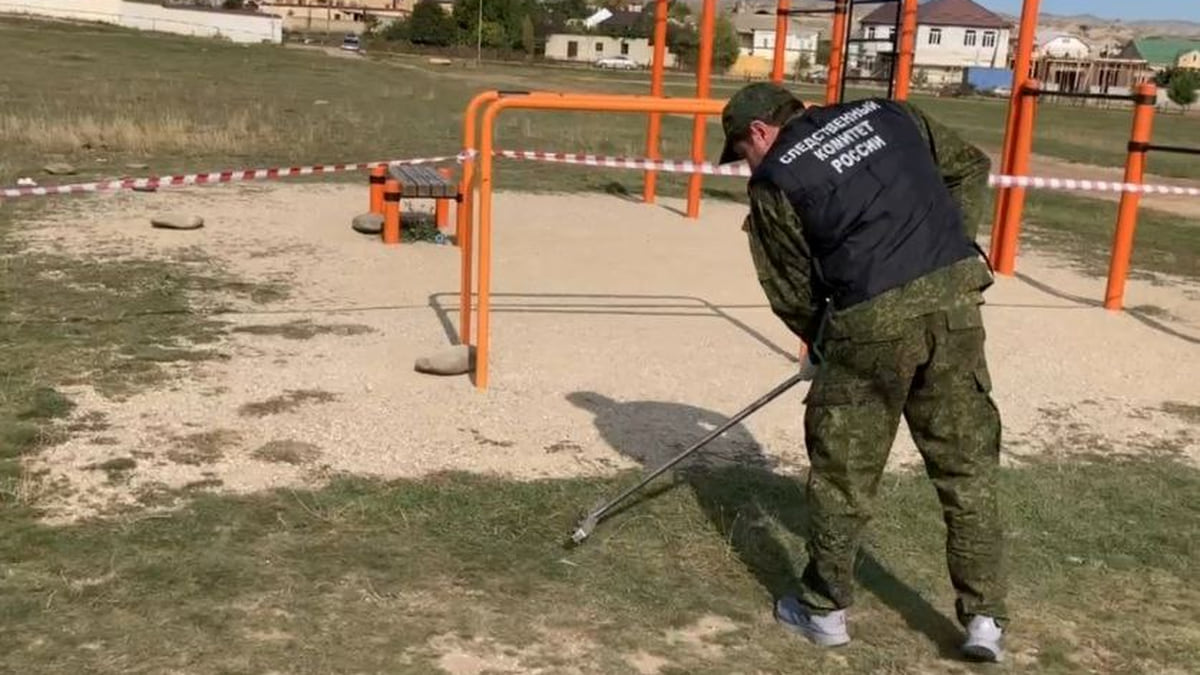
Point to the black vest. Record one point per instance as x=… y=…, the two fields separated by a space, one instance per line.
x=871 y=201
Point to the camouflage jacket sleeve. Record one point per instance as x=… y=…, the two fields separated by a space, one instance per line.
x=782 y=259
x=964 y=167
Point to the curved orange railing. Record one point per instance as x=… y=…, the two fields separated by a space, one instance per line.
x=543 y=101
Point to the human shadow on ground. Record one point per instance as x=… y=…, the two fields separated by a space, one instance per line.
x=736 y=485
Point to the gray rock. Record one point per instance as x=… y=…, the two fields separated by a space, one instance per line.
x=368 y=223
x=137 y=166
x=144 y=188
x=456 y=360
x=177 y=221
x=59 y=169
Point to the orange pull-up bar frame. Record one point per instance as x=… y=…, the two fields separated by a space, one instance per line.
x=543 y=101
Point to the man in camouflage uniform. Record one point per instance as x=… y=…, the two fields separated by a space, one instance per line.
x=862 y=224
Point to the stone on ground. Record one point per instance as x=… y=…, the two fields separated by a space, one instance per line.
x=177 y=221
x=368 y=223
x=59 y=169
x=456 y=360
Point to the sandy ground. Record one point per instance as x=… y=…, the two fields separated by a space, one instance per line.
x=621 y=333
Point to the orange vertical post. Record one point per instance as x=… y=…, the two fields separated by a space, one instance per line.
x=657 y=73
x=391 y=212
x=703 y=87
x=1023 y=148
x=1021 y=65
x=441 y=207
x=782 y=18
x=375 y=182
x=1135 y=172
x=463 y=225
x=907 y=43
x=837 y=51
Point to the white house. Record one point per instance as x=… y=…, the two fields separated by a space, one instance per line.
x=590 y=47
x=1061 y=46
x=756 y=38
x=951 y=35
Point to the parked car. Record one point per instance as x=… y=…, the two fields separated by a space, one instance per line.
x=351 y=43
x=617 y=63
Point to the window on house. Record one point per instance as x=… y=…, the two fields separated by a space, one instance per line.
x=969 y=38
x=625 y=48
x=871 y=33
x=989 y=38
x=572 y=49
x=599 y=47
x=935 y=36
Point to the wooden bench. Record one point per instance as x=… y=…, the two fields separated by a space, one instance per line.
x=421 y=182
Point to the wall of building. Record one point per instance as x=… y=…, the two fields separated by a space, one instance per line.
x=590 y=48
x=950 y=51
x=1190 y=60
x=235 y=26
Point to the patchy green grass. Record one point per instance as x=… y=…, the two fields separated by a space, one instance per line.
x=405 y=576
x=1082 y=229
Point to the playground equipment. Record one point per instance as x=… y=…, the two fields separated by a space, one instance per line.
x=902 y=39
x=1018 y=141
x=1018 y=146
x=538 y=101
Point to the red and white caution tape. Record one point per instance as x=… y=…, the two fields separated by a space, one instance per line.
x=210 y=178
x=1089 y=185
x=643 y=163
x=740 y=169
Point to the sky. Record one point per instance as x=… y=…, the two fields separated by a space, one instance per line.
x=1157 y=10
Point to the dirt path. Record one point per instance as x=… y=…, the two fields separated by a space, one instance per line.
x=621 y=303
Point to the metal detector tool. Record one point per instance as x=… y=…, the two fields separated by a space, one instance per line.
x=589 y=522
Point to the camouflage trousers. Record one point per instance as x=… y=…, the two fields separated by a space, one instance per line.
x=932 y=370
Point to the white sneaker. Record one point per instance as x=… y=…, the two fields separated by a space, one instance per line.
x=828 y=630
x=983 y=640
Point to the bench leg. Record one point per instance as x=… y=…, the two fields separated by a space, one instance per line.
x=391 y=212
x=441 y=207
x=377 y=180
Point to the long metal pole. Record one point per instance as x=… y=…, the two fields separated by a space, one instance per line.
x=589 y=522
x=657 y=68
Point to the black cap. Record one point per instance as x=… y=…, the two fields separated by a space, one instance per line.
x=761 y=101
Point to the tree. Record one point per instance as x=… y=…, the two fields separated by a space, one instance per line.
x=824 y=47
x=1182 y=88
x=726 y=47
x=678 y=11
x=528 y=37
x=802 y=65
x=233 y=4
x=429 y=25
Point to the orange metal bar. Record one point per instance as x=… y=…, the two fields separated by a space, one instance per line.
x=1023 y=148
x=463 y=225
x=837 y=51
x=441 y=207
x=391 y=212
x=1135 y=172
x=781 y=33
x=657 y=73
x=576 y=102
x=907 y=42
x=703 y=87
x=1022 y=63
x=375 y=182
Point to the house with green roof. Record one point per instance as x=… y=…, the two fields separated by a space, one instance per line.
x=1160 y=52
